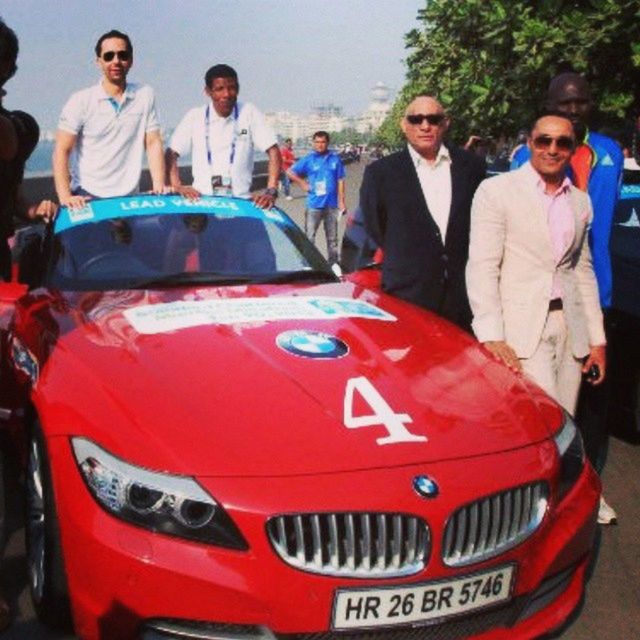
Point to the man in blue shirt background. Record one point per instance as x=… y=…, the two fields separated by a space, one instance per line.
x=321 y=175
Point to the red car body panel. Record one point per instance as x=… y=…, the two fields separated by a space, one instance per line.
x=132 y=569
x=440 y=377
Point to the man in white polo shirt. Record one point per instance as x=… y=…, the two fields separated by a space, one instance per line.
x=104 y=131
x=221 y=137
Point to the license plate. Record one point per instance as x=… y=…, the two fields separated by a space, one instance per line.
x=356 y=608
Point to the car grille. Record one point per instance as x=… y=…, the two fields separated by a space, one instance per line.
x=352 y=544
x=490 y=526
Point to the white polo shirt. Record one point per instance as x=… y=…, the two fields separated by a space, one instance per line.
x=237 y=135
x=107 y=158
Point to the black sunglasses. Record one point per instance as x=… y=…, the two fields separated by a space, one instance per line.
x=563 y=143
x=123 y=56
x=432 y=118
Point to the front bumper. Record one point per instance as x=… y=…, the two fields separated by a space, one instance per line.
x=127 y=582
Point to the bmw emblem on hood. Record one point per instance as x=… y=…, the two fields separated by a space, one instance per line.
x=312 y=344
x=425 y=487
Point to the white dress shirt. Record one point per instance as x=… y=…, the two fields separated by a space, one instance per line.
x=435 y=181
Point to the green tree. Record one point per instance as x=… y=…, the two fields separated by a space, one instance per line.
x=490 y=62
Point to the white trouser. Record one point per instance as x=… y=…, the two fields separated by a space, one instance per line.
x=553 y=366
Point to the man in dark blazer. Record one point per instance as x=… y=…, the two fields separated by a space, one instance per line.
x=416 y=205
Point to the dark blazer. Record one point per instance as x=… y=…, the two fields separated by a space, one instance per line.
x=417 y=265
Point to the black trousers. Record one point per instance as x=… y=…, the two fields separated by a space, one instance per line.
x=591 y=414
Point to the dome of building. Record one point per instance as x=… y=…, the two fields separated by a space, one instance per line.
x=380 y=93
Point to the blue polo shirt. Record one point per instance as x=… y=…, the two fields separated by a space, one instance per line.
x=605 y=180
x=322 y=171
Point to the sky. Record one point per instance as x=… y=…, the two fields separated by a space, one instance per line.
x=289 y=54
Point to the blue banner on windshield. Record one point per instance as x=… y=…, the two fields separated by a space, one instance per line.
x=98 y=210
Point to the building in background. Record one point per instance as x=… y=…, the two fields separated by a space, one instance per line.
x=377 y=111
x=330 y=117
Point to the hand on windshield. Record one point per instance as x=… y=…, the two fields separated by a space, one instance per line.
x=75 y=202
x=47 y=210
x=188 y=192
x=161 y=190
x=264 y=200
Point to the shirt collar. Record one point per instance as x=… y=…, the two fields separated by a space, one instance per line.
x=129 y=92
x=443 y=155
x=213 y=114
x=534 y=178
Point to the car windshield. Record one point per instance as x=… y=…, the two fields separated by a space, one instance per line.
x=155 y=241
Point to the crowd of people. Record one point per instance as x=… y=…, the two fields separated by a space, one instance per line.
x=520 y=259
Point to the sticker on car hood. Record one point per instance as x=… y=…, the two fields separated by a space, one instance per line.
x=170 y=316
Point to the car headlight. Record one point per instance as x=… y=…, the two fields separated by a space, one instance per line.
x=571 y=451
x=175 y=505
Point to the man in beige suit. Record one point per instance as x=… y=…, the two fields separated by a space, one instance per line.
x=530 y=280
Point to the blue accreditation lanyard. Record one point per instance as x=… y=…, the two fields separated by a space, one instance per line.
x=232 y=151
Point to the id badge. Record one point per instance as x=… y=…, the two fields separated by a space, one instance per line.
x=320 y=188
x=221 y=185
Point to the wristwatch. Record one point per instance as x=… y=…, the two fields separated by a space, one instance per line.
x=271 y=191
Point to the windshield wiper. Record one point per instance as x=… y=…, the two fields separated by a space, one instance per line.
x=303 y=275
x=193 y=277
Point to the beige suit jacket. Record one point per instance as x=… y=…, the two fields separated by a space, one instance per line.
x=511 y=266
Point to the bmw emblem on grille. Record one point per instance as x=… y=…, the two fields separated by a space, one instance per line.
x=312 y=344
x=425 y=487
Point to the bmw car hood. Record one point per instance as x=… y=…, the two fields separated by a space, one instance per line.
x=271 y=387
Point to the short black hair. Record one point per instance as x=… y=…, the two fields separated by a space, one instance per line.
x=114 y=33
x=321 y=134
x=8 y=49
x=568 y=77
x=219 y=71
x=550 y=112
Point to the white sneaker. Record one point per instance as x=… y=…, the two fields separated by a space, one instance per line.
x=606 y=515
x=289 y=198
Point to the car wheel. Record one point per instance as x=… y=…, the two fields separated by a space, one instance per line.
x=47 y=579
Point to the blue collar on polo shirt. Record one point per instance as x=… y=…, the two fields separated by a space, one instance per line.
x=128 y=94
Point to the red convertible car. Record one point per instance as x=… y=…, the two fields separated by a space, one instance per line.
x=225 y=440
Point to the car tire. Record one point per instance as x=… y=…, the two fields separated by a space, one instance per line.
x=45 y=565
